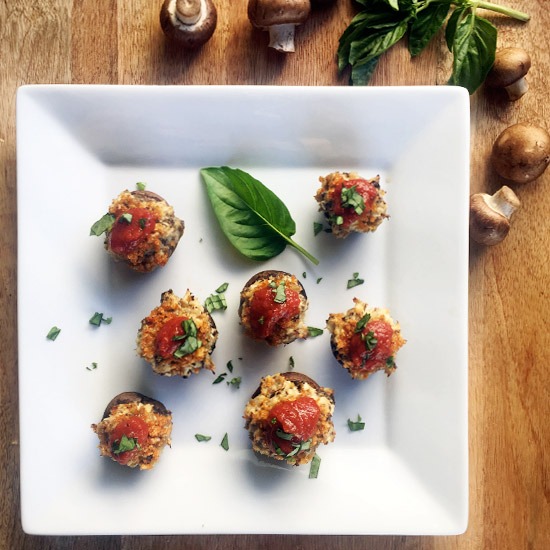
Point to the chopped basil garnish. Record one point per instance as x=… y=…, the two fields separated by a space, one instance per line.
x=304 y=275
x=319 y=280
x=352 y=199
x=105 y=223
x=125 y=218
x=93 y=366
x=314 y=331
x=225 y=443
x=362 y=322
x=338 y=220
x=281 y=434
x=355 y=281
x=222 y=288
x=390 y=362
x=125 y=444
x=200 y=437
x=142 y=223
x=314 y=467
x=190 y=345
x=53 y=333
x=236 y=382
x=280 y=294
x=370 y=340
x=230 y=366
x=317 y=228
x=291 y=363
x=215 y=302
x=220 y=378
x=97 y=318
x=356 y=425
x=141 y=185
x=190 y=341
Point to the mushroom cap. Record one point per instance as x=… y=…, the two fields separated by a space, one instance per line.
x=510 y=65
x=521 y=152
x=189 y=36
x=265 y=13
x=490 y=215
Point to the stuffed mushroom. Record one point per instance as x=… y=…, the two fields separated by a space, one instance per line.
x=289 y=416
x=365 y=340
x=178 y=337
x=272 y=308
x=350 y=203
x=140 y=229
x=134 y=430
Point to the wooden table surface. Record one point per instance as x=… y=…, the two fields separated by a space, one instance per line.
x=120 y=42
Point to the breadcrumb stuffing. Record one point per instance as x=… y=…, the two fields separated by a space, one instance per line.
x=343 y=327
x=276 y=389
x=172 y=306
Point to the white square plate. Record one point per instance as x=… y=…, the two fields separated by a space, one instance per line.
x=79 y=146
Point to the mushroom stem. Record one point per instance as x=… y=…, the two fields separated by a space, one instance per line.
x=281 y=37
x=188 y=11
x=517 y=89
x=490 y=215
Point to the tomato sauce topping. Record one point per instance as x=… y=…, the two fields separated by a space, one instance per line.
x=297 y=418
x=130 y=228
x=266 y=315
x=365 y=188
x=136 y=431
x=370 y=348
x=166 y=340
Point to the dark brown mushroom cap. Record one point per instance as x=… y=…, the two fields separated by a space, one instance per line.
x=510 y=65
x=521 y=153
x=265 y=13
x=135 y=397
x=189 y=36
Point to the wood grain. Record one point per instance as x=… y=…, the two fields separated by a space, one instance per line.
x=120 y=42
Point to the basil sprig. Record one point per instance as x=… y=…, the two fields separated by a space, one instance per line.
x=380 y=24
x=256 y=222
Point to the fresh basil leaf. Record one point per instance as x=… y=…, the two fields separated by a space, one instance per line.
x=426 y=24
x=393 y=3
x=253 y=218
x=474 y=48
x=361 y=73
x=452 y=23
x=377 y=43
x=225 y=443
x=201 y=437
x=105 y=223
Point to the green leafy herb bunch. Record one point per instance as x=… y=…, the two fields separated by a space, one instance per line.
x=380 y=24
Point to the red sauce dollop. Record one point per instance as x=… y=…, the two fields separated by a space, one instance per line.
x=365 y=188
x=297 y=418
x=165 y=344
x=266 y=314
x=133 y=427
x=125 y=236
x=374 y=359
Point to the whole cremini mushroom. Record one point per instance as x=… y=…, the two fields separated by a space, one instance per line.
x=490 y=215
x=190 y=23
x=521 y=153
x=279 y=17
x=509 y=70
